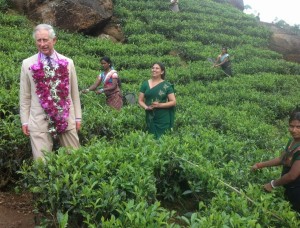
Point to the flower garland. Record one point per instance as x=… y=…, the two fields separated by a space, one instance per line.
x=52 y=88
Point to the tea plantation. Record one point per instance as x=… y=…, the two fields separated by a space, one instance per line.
x=198 y=175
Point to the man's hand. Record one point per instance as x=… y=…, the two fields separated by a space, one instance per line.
x=78 y=125
x=25 y=129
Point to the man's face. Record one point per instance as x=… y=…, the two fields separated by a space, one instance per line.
x=43 y=43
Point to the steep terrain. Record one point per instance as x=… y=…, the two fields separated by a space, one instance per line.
x=123 y=177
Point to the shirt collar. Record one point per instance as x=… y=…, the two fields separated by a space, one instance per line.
x=53 y=56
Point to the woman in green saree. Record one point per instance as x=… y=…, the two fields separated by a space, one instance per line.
x=158 y=99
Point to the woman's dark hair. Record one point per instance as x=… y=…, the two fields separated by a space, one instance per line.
x=295 y=114
x=224 y=48
x=106 y=59
x=162 y=67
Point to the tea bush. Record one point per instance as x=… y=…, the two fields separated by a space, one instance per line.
x=93 y=182
x=196 y=175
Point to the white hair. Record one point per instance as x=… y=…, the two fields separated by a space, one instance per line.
x=47 y=27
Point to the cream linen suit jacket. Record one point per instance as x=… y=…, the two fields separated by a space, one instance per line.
x=31 y=111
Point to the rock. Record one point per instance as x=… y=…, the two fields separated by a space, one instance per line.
x=237 y=4
x=284 y=42
x=113 y=29
x=86 y=16
x=107 y=37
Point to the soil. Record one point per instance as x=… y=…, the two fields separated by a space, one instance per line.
x=16 y=210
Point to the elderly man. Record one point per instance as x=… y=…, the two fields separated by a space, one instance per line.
x=49 y=97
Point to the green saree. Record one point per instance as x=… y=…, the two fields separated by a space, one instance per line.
x=158 y=120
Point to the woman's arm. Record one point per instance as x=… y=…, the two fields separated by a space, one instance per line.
x=289 y=177
x=292 y=175
x=217 y=60
x=270 y=163
x=171 y=102
x=142 y=102
x=94 y=86
x=113 y=86
x=221 y=63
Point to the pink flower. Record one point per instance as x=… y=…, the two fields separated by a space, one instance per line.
x=36 y=67
x=63 y=62
x=57 y=108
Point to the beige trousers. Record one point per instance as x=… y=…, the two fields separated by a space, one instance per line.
x=42 y=142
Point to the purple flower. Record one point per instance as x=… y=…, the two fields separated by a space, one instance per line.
x=36 y=67
x=56 y=108
x=63 y=62
x=45 y=105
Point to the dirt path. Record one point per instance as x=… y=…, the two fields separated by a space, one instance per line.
x=16 y=210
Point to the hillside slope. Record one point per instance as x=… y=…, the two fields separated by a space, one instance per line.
x=223 y=125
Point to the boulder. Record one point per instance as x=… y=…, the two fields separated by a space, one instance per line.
x=113 y=31
x=86 y=16
x=284 y=42
x=237 y=4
